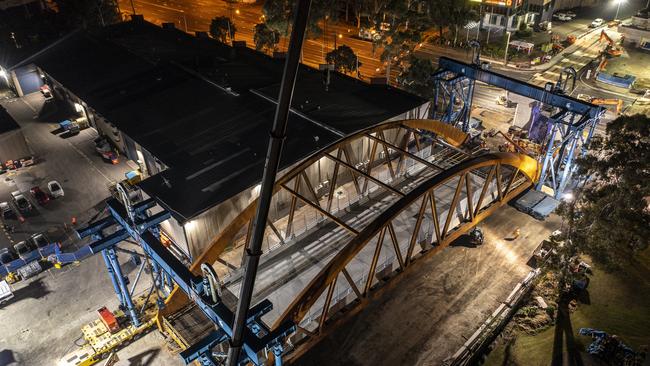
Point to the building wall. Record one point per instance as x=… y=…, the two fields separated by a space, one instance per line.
x=634 y=35
x=202 y=229
x=13 y=146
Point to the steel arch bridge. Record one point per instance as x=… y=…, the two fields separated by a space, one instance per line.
x=408 y=189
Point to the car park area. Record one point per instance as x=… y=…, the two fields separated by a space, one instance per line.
x=66 y=180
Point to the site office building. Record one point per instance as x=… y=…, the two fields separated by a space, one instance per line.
x=196 y=115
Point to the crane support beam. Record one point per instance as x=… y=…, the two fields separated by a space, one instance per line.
x=522 y=88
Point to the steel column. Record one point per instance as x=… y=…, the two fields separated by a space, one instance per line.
x=123 y=288
x=111 y=274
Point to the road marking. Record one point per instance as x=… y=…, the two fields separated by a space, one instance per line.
x=28 y=105
x=89 y=161
x=160 y=6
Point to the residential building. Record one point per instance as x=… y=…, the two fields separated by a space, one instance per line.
x=636 y=32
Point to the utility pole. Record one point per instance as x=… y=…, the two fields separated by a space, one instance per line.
x=133 y=7
x=505 y=58
x=276 y=140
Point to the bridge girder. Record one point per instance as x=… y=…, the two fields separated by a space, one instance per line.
x=420 y=167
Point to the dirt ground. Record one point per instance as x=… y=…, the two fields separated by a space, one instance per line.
x=435 y=308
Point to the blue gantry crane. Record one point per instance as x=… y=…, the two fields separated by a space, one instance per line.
x=569 y=128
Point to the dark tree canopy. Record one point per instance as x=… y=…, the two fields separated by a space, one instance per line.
x=219 y=28
x=88 y=13
x=416 y=76
x=265 y=38
x=609 y=219
x=343 y=58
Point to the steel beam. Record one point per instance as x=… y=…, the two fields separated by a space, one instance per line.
x=367 y=176
x=321 y=210
x=518 y=87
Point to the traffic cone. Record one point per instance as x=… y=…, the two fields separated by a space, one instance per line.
x=74 y=220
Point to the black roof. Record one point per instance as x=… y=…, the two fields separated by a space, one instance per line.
x=205 y=109
x=7 y=122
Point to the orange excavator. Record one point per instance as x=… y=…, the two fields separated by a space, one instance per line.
x=611 y=50
x=617 y=102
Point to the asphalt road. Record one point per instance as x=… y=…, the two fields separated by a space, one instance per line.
x=71 y=161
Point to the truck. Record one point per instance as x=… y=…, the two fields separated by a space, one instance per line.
x=5 y=292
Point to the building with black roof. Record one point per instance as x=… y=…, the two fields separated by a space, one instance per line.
x=12 y=141
x=195 y=114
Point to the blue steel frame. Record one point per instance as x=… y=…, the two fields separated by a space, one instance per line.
x=142 y=229
x=454 y=81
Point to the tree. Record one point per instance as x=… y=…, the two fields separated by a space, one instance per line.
x=343 y=58
x=88 y=13
x=609 y=218
x=265 y=38
x=416 y=76
x=460 y=13
x=221 y=28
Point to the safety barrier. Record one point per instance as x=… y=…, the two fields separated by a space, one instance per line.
x=621 y=81
x=476 y=344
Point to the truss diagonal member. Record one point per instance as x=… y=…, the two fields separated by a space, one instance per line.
x=488 y=180
x=326 y=306
x=416 y=229
x=375 y=259
x=346 y=155
x=321 y=210
x=292 y=208
x=335 y=175
x=468 y=188
x=371 y=161
x=393 y=239
x=387 y=154
x=412 y=156
x=367 y=176
x=454 y=203
x=354 y=287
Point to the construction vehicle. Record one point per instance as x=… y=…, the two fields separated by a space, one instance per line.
x=110 y=331
x=5 y=292
x=611 y=50
x=616 y=102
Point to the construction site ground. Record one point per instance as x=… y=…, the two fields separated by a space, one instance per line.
x=633 y=61
x=434 y=309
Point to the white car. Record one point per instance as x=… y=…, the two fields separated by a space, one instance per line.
x=55 y=189
x=597 y=23
x=561 y=17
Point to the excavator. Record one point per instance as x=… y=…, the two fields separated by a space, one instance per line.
x=603 y=101
x=617 y=102
x=611 y=50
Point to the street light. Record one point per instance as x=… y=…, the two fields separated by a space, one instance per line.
x=618 y=7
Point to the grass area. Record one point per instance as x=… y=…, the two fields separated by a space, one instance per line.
x=618 y=303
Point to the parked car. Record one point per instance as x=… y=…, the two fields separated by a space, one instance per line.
x=6 y=256
x=39 y=240
x=6 y=212
x=55 y=189
x=584 y=97
x=561 y=17
x=22 y=248
x=570 y=14
x=24 y=206
x=41 y=197
x=597 y=23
